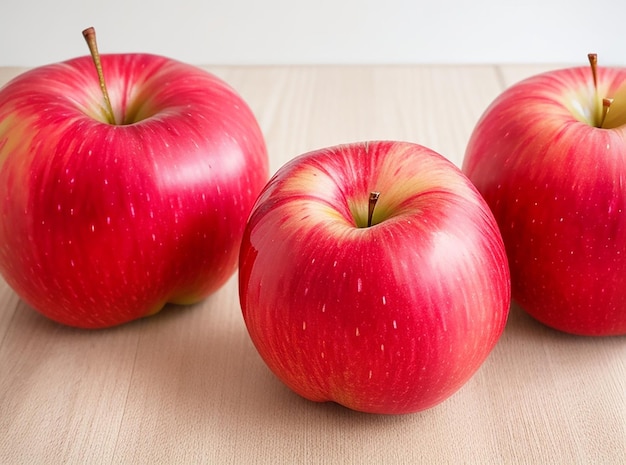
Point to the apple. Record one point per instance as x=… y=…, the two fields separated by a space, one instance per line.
x=373 y=275
x=119 y=196
x=549 y=157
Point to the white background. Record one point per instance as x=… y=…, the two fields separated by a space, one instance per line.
x=35 y=32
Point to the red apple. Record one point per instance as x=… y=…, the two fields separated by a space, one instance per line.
x=102 y=221
x=390 y=314
x=551 y=163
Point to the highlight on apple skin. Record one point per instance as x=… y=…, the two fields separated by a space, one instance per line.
x=549 y=157
x=103 y=223
x=387 y=314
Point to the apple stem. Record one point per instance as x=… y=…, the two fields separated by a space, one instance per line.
x=372 y=204
x=600 y=112
x=90 y=37
x=593 y=61
x=606 y=106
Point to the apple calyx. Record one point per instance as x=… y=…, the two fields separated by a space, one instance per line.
x=371 y=205
x=90 y=37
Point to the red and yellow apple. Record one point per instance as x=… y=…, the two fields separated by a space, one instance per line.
x=373 y=275
x=108 y=213
x=549 y=157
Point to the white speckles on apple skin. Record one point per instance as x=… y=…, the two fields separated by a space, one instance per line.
x=123 y=205
x=371 y=303
x=555 y=186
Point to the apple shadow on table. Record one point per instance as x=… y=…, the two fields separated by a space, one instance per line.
x=521 y=324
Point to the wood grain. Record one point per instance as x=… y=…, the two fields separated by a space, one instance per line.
x=187 y=386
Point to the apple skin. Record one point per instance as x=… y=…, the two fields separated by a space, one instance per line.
x=101 y=224
x=392 y=318
x=555 y=184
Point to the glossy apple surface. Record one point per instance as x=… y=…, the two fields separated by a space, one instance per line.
x=104 y=223
x=555 y=182
x=390 y=318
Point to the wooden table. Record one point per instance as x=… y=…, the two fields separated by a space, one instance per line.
x=187 y=386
